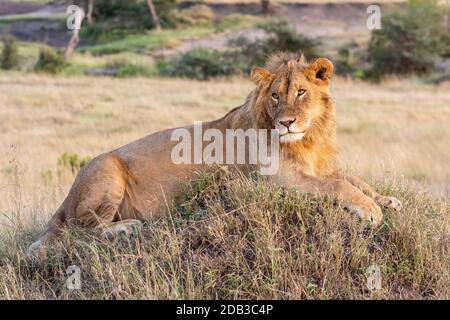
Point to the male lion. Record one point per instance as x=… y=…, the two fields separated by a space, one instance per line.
x=117 y=190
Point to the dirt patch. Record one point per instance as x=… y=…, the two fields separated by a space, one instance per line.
x=49 y=32
x=334 y=23
x=37 y=25
x=218 y=42
x=13 y=7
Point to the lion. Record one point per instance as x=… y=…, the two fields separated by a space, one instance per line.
x=116 y=191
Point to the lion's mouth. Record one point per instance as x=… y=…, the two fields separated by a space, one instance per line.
x=292 y=136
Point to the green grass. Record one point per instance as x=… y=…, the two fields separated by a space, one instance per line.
x=28 y=49
x=150 y=41
x=32 y=17
x=129 y=64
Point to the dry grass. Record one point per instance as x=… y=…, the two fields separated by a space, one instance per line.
x=234 y=238
x=395 y=133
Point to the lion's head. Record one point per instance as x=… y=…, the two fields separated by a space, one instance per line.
x=293 y=96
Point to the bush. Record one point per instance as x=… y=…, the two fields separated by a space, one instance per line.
x=408 y=42
x=281 y=36
x=165 y=10
x=343 y=65
x=50 y=61
x=132 y=14
x=72 y=161
x=201 y=64
x=129 y=69
x=9 y=58
x=134 y=70
x=196 y=14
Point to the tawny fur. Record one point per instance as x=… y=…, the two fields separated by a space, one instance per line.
x=137 y=180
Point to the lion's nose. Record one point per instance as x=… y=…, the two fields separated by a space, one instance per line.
x=287 y=123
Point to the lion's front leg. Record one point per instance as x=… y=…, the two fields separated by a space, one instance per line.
x=383 y=201
x=352 y=198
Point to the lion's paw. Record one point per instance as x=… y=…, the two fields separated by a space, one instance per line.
x=389 y=202
x=367 y=210
x=35 y=249
x=130 y=228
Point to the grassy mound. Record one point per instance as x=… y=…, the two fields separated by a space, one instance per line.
x=231 y=237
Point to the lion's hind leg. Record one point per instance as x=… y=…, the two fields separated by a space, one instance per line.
x=51 y=231
x=94 y=199
x=130 y=228
x=101 y=190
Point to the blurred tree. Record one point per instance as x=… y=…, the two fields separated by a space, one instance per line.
x=90 y=12
x=154 y=15
x=281 y=36
x=265 y=4
x=9 y=58
x=108 y=15
x=409 y=42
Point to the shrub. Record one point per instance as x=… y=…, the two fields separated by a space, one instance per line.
x=281 y=36
x=195 y=14
x=50 y=61
x=343 y=65
x=126 y=68
x=134 y=70
x=9 y=58
x=132 y=14
x=202 y=64
x=165 y=10
x=408 y=42
x=72 y=161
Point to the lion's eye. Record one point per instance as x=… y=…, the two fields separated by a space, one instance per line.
x=301 y=92
x=275 y=96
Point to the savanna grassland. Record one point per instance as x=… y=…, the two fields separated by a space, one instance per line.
x=228 y=237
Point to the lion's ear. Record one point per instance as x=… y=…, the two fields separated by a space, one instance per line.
x=321 y=69
x=260 y=76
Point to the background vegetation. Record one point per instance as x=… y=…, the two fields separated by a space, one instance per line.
x=410 y=42
x=413 y=40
